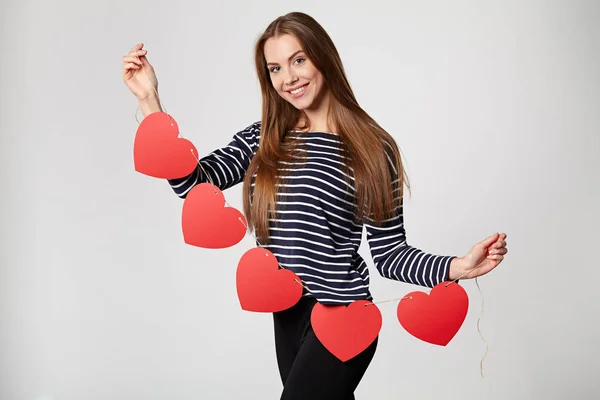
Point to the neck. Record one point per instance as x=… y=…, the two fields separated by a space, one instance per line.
x=319 y=116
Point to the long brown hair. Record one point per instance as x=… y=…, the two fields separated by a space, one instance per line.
x=365 y=143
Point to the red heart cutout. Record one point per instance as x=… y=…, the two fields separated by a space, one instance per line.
x=157 y=150
x=207 y=223
x=437 y=317
x=346 y=331
x=262 y=286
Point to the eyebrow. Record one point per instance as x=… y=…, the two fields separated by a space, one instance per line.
x=289 y=58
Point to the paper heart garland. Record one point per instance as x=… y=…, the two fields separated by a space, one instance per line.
x=437 y=317
x=346 y=330
x=262 y=286
x=157 y=150
x=207 y=223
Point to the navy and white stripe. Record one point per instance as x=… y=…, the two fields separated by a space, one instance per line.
x=314 y=233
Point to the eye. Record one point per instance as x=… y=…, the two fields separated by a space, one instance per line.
x=272 y=69
x=299 y=59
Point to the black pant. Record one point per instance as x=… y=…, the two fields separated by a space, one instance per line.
x=308 y=370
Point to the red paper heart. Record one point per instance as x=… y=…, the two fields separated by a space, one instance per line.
x=437 y=317
x=346 y=331
x=262 y=286
x=157 y=150
x=207 y=223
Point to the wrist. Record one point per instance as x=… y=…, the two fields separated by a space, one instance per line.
x=457 y=268
x=150 y=104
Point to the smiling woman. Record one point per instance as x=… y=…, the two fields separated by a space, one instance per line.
x=316 y=170
x=295 y=51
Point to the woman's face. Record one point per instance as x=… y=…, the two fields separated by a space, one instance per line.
x=293 y=75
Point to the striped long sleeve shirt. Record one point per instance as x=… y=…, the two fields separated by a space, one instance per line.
x=314 y=234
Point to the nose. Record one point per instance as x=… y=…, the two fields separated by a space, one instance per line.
x=290 y=78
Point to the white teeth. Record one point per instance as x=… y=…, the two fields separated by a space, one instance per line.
x=297 y=90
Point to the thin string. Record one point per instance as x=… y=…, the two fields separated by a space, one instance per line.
x=266 y=254
x=479 y=330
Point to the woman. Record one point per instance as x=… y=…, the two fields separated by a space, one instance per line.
x=313 y=161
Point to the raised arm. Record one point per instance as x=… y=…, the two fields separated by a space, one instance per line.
x=226 y=166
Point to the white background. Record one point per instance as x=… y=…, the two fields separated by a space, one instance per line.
x=493 y=103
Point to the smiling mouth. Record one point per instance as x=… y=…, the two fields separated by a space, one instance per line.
x=298 y=90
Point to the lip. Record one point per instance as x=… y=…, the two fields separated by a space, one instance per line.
x=298 y=95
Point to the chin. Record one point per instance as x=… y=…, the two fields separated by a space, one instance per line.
x=302 y=104
x=302 y=107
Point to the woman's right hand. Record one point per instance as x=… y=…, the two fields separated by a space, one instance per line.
x=138 y=74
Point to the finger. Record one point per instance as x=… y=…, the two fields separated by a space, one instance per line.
x=499 y=244
x=137 y=53
x=134 y=55
x=496 y=257
x=131 y=65
x=500 y=250
x=128 y=59
x=138 y=46
x=489 y=240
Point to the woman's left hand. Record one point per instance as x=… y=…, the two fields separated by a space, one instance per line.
x=481 y=259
